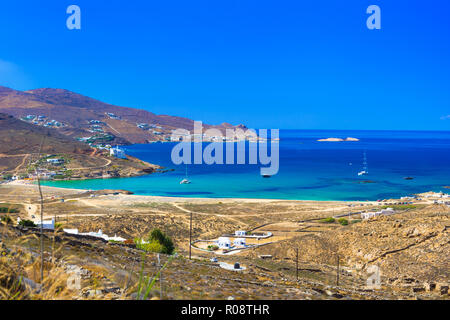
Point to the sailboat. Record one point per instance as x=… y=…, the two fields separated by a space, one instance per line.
x=185 y=180
x=365 y=170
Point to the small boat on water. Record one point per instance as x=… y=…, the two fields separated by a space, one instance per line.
x=365 y=170
x=266 y=175
x=185 y=180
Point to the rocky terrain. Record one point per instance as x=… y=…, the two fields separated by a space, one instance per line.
x=335 y=261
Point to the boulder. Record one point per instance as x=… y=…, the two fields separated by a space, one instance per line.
x=442 y=288
x=429 y=286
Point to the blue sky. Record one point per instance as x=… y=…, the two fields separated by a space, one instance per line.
x=267 y=64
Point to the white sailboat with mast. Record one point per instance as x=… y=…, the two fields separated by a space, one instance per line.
x=185 y=180
x=365 y=169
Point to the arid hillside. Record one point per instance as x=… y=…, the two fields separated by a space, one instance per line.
x=410 y=248
x=79 y=116
x=19 y=153
x=18 y=137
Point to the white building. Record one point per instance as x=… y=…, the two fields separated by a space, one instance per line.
x=98 y=234
x=239 y=242
x=46 y=224
x=384 y=212
x=240 y=233
x=117 y=152
x=55 y=161
x=224 y=243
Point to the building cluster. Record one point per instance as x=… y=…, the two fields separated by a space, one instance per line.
x=441 y=195
x=147 y=126
x=210 y=138
x=99 y=136
x=41 y=120
x=113 y=116
x=96 y=128
x=225 y=243
x=238 y=242
x=439 y=198
x=55 y=161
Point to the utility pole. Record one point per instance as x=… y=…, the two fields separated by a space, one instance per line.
x=296 y=268
x=160 y=278
x=190 y=236
x=42 y=212
x=337 y=273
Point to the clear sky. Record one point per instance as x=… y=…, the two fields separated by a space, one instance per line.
x=267 y=64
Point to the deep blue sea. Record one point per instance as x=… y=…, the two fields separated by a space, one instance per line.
x=308 y=169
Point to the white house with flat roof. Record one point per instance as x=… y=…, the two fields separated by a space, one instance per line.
x=239 y=242
x=46 y=224
x=224 y=243
x=98 y=234
x=384 y=212
x=117 y=152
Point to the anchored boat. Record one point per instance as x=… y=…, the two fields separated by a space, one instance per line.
x=185 y=180
x=365 y=170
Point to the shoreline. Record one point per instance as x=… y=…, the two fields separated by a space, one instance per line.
x=135 y=197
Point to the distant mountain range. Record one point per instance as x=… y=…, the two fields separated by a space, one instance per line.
x=91 y=120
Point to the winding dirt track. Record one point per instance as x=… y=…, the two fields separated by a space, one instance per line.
x=108 y=162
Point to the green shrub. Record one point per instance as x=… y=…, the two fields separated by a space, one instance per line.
x=343 y=221
x=328 y=220
x=6 y=219
x=155 y=246
x=8 y=210
x=400 y=206
x=115 y=241
x=27 y=223
x=161 y=238
x=355 y=221
x=157 y=241
x=213 y=247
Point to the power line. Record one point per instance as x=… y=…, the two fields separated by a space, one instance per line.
x=296 y=268
x=190 y=236
x=42 y=212
x=337 y=273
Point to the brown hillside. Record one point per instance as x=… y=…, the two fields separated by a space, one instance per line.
x=75 y=111
x=18 y=137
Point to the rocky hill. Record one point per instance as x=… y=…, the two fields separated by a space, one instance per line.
x=19 y=147
x=18 y=137
x=79 y=116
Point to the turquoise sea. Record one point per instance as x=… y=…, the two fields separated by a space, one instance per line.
x=309 y=170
